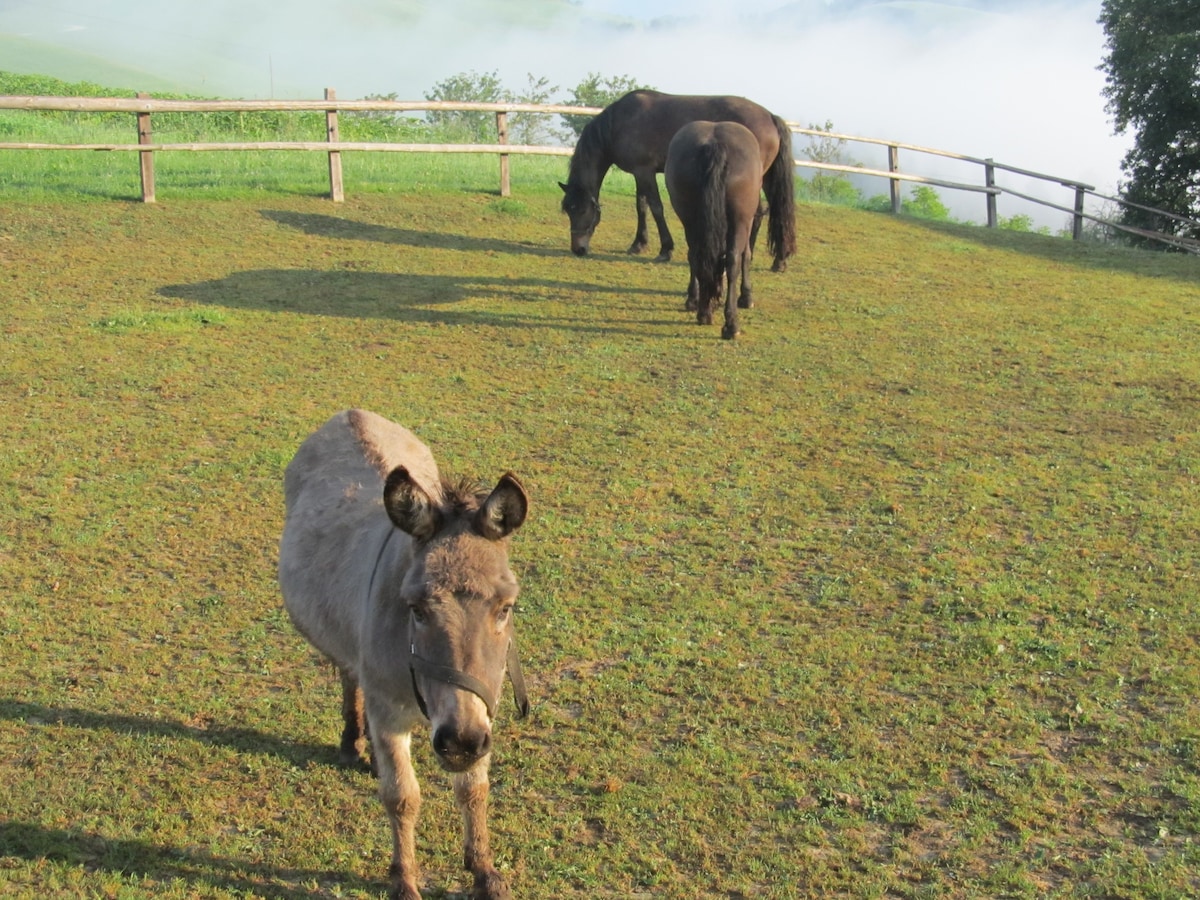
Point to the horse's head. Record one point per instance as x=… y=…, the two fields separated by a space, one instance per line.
x=583 y=209
x=458 y=595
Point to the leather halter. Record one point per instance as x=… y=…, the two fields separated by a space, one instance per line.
x=452 y=676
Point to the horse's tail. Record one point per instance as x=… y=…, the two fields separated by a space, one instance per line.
x=710 y=261
x=779 y=186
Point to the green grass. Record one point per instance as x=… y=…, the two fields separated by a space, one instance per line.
x=895 y=596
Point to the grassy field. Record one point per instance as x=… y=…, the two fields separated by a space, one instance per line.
x=893 y=597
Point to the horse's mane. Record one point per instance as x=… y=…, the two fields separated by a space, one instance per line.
x=591 y=150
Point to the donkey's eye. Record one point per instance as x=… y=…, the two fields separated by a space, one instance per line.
x=504 y=614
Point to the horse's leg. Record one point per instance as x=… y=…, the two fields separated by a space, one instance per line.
x=759 y=215
x=640 y=239
x=746 y=298
x=354 y=721
x=693 y=295
x=401 y=797
x=471 y=795
x=733 y=273
x=647 y=188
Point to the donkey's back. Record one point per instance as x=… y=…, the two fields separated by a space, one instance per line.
x=333 y=490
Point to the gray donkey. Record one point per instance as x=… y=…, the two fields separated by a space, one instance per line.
x=402 y=579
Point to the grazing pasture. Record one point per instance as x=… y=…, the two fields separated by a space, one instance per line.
x=896 y=596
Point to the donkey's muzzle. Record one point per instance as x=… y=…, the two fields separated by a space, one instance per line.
x=458 y=750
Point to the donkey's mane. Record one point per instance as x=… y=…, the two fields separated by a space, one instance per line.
x=462 y=495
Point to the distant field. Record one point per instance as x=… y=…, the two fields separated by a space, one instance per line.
x=893 y=597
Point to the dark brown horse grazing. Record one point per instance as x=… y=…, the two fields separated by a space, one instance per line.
x=402 y=579
x=714 y=176
x=632 y=133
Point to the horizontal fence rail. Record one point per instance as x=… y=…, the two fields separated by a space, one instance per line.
x=143 y=106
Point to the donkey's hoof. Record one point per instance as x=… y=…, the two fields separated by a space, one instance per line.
x=490 y=886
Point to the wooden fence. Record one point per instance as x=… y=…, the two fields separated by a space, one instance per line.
x=143 y=107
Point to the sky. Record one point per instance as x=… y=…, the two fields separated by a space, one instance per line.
x=1013 y=80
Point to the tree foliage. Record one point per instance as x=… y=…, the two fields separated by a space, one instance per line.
x=524 y=128
x=1152 y=64
x=598 y=90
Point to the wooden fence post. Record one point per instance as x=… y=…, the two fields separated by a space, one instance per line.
x=989 y=179
x=146 y=157
x=336 y=188
x=894 y=183
x=502 y=138
x=1077 y=221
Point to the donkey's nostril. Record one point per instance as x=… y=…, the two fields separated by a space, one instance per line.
x=458 y=750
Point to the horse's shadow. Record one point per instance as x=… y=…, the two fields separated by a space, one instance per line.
x=414 y=298
x=349 y=229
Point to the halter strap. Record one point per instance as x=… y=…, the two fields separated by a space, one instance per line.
x=449 y=675
x=452 y=676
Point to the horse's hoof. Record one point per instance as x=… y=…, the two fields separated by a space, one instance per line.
x=745 y=302
x=780 y=265
x=690 y=305
x=636 y=248
x=730 y=333
x=665 y=256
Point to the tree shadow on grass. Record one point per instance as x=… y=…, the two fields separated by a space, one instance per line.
x=413 y=298
x=203 y=871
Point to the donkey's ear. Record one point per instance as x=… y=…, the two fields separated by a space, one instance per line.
x=504 y=510
x=408 y=506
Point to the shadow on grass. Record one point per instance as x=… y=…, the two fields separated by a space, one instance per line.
x=348 y=229
x=245 y=740
x=414 y=298
x=203 y=871
x=1182 y=267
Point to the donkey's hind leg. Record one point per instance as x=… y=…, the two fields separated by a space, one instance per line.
x=354 y=722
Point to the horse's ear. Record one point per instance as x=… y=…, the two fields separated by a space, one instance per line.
x=409 y=507
x=504 y=510
x=563 y=186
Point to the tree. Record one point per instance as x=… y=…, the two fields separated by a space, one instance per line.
x=1152 y=66
x=598 y=90
x=468 y=126
x=534 y=128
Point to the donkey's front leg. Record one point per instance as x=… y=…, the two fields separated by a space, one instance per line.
x=471 y=794
x=401 y=796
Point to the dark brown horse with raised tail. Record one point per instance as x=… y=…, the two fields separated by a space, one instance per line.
x=714 y=177
x=632 y=133
x=401 y=577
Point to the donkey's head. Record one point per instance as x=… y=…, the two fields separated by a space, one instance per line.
x=459 y=594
